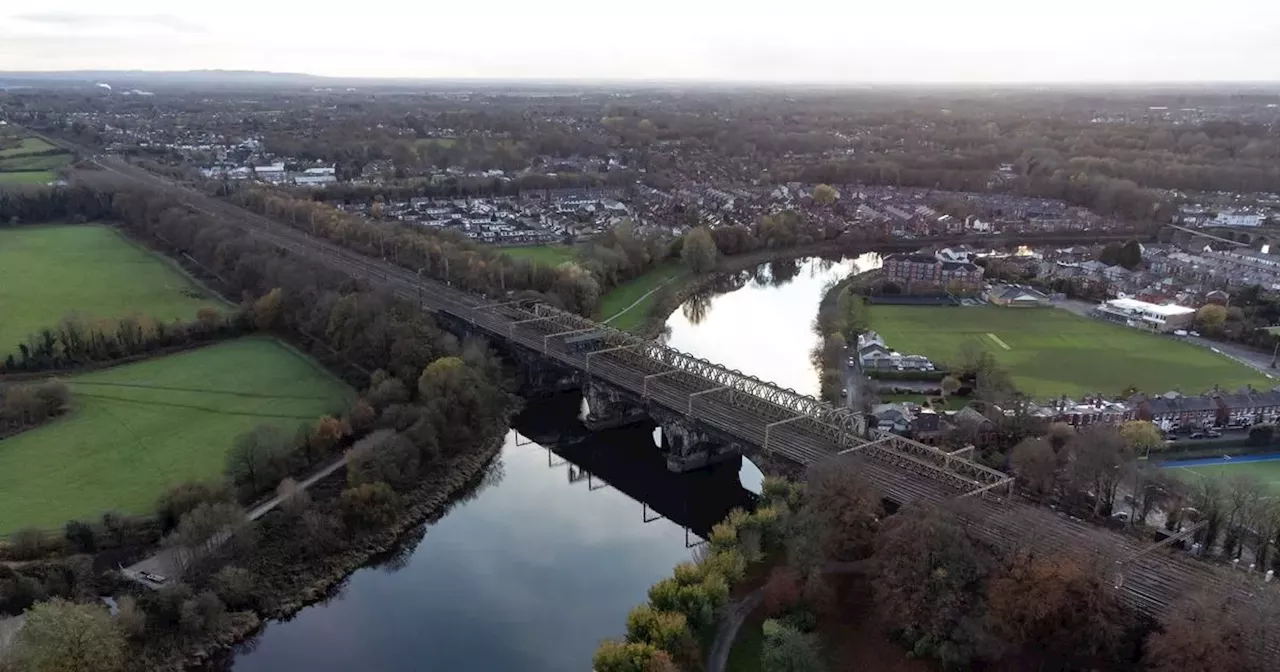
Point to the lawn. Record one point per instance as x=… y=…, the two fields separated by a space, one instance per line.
x=48 y=273
x=549 y=255
x=27 y=177
x=139 y=428
x=34 y=163
x=1267 y=471
x=619 y=306
x=1051 y=352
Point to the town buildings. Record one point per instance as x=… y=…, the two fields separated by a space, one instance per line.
x=1143 y=315
x=918 y=272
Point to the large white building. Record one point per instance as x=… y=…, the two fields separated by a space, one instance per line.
x=1143 y=315
x=1238 y=219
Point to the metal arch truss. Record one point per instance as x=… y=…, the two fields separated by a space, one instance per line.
x=840 y=425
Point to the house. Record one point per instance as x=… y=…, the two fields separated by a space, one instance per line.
x=1248 y=407
x=1237 y=219
x=1016 y=296
x=873 y=355
x=915 y=270
x=1173 y=411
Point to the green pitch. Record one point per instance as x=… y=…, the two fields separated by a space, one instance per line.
x=139 y=428
x=1051 y=352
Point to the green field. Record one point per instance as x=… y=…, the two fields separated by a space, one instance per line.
x=27 y=177
x=34 y=163
x=549 y=255
x=1267 y=472
x=28 y=146
x=614 y=305
x=139 y=428
x=48 y=273
x=1051 y=352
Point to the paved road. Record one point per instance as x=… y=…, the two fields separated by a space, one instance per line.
x=170 y=561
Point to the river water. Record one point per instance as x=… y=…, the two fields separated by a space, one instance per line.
x=568 y=530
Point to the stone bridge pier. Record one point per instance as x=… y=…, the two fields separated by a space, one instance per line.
x=607 y=409
x=688 y=447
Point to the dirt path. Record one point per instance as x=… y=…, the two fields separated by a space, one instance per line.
x=727 y=632
x=635 y=303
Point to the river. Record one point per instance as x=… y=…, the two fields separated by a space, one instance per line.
x=557 y=543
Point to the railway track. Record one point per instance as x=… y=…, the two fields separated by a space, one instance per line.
x=794 y=428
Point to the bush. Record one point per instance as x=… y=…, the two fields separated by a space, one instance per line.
x=665 y=630
x=789 y=650
x=81 y=536
x=236 y=587
x=30 y=543
x=782 y=591
x=623 y=657
x=1261 y=435
x=183 y=498
x=369 y=506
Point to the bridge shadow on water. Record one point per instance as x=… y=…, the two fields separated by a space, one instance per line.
x=627 y=459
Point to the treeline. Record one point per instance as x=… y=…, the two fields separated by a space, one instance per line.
x=447 y=256
x=76 y=343
x=24 y=406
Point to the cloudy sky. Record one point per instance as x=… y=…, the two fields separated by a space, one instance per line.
x=743 y=40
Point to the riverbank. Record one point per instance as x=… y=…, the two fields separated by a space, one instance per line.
x=289 y=584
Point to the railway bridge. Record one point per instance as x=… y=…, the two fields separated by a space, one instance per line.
x=708 y=410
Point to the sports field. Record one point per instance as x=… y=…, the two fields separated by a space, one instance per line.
x=48 y=273
x=1051 y=352
x=19 y=163
x=137 y=429
x=1265 y=468
x=27 y=177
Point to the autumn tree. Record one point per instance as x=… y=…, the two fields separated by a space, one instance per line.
x=928 y=587
x=949 y=385
x=839 y=517
x=1036 y=466
x=1141 y=436
x=1205 y=634
x=1074 y=615
x=824 y=194
x=369 y=506
x=61 y=636
x=1211 y=317
x=266 y=310
x=699 y=253
x=1099 y=460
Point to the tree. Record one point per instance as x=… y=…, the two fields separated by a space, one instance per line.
x=1099 y=458
x=789 y=650
x=181 y=499
x=1141 y=436
x=824 y=194
x=1211 y=317
x=369 y=506
x=929 y=576
x=236 y=587
x=207 y=522
x=665 y=630
x=61 y=636
x=949 y=385
x=257 y=460
x=266 y=310
x=1205 y=634
x=1036 y=466
x=782 y=591
x=840 y=514
x=854 y=316
x=1073 y=617
x=699 y=252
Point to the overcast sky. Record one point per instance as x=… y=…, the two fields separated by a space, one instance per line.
x=815 y=41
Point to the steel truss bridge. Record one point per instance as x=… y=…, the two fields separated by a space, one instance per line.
x=778 y=421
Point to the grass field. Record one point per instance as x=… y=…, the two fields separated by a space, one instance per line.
x=27 y=177
x=1050 y=352
x=139 y=428
x=614 y=305
x=28 y=146
x=50 y=272
x=34 y=163
x=1267 y=471
x=550 y=255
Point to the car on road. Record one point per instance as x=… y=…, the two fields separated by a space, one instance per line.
x=153 y=577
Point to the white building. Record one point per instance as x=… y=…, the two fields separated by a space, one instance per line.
x=1143 y=315
x=1237 y=219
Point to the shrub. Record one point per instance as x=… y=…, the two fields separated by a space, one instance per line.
x=369 y=506
x=236 y=587
x=789 y=650
x=665 y=630
x=623 y=657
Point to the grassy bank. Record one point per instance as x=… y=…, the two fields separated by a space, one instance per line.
x=139 y=428
x=48 y=273
x=1053 y=352
x=547 y=255
x=627 y=305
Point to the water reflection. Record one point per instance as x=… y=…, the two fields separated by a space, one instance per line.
x=567 y=537
x=760 y=321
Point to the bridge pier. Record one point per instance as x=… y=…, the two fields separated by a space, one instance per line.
x=606 y=409
x=540 y=376
x=688 y=448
